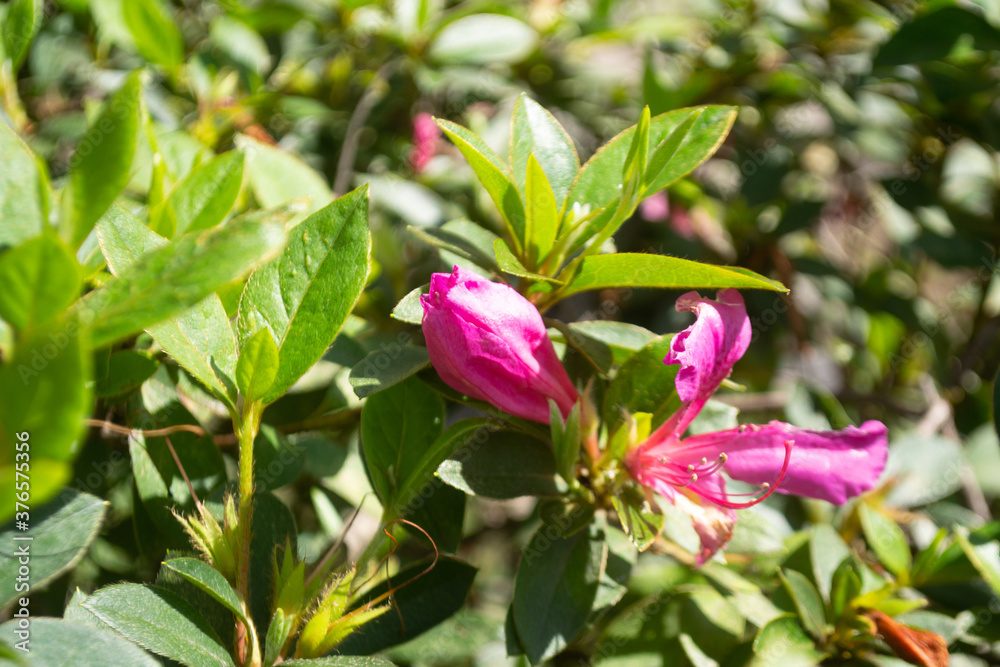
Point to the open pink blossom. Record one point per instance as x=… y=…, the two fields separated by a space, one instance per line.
x=829 y=465
x=489 y=342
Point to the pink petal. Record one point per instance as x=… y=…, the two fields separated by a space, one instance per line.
x=708 y=348
x=829 y=465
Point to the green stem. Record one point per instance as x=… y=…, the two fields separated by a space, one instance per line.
x=246 y=432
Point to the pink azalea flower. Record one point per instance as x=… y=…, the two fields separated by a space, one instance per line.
x=426 y=136
x=829 y=465
x=489 y=342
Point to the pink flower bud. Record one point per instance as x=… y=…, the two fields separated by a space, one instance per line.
x=489 y=342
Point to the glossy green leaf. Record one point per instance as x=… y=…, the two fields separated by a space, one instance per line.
x=887 y=540
x=492 y=173
x=305 y=295
x=621 y=337
x=555 y=587
x=45 y=392
x=20 y=25
x=209 y=580
x=386 y=366
x=277 y=177
x=660 y=271
x=40 y=279
x=24 y=190
x=503 y=464
x=56 y=643
x=598 y=180
x=480 y=39
x=207 y=194
x=398 y=427
x=541 y=213
x=60 y=533
x=807 y=600
x=536 y=132
x=643 y=384
x=661 y=166
x=712 y=620
x=409 y=308
x=159 y=621
x=257 y=366
x=511 y=265
x=101 y=166
x=155 y=32
x=199 y=338
x=176 y=276
x=421 y=603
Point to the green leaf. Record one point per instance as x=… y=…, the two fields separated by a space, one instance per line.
x=56 y=643
x=305 y=295
x=481 y=39
x=712 y=620
x=176 y=276
x=555 y=588
x=621 y=337
x=639 y=521
x=783 y=641
x=598 y=180
x=827 y=551
x=23 y=20
x=566 y=441
x=535 y=132
x=24 y=190
x=44 y=392
x=541 y=213
x=844 y=587
x=398 y=427
x=209 y=580
x=155 y=32
x=661 y=166
x=808 y=603
x=60 y=533
x=409 y=308
x=643 y=384
x=159 y=621
x=463 y=238
x=207 y=194
x=644 y=270
x=421 y=602
x=887 y=540
x=510 y=264
x=40 y=279
x=387 y=366
x=101 y=166
x=503 y=464
x=985 y=557
x=126 y=371
x=257 y=366
x=933 y=35
x=277 y=177
x=492 y=173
